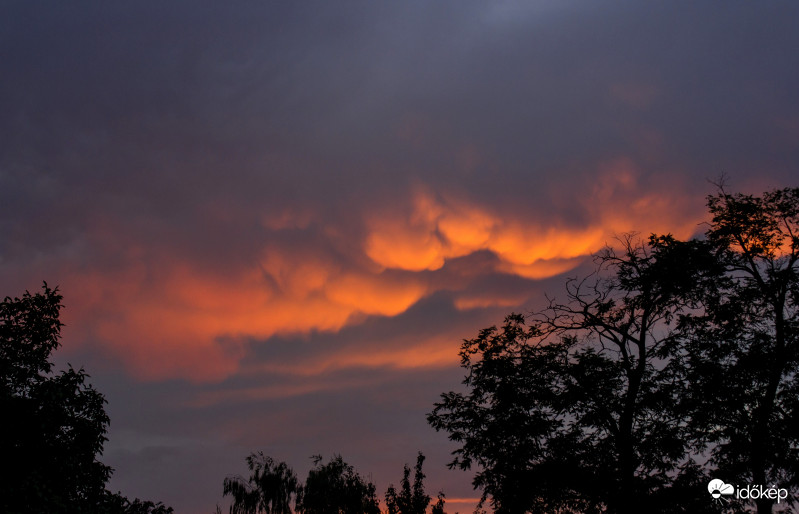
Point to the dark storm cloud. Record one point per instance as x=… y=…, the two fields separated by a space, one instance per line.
x=129 y=108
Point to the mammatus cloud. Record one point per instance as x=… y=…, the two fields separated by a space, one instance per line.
x=165 y=316
x=432 y=229
x=438 y=230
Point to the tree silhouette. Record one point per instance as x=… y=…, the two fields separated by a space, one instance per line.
x=268 y=490
x=55 y=423
x=742 y=350
x=574 y=409
x=438 y=506
x=412 y=499
x=118 y=504
x=331 y=488
x=336 y=488
x=606 y=402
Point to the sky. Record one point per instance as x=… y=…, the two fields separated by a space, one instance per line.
x=274 y=223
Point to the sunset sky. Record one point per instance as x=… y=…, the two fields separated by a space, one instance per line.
x=273 y=223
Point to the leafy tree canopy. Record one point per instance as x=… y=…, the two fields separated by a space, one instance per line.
x=412 y=499
x=330 y=488
x=670 y=353
x=55 y=422
x=268 y=490
x=336 y=488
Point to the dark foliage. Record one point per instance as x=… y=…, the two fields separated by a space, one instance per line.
x=609 y=401
x=118 y=504
x=331 y=488
x=55 y=424
x=336 y=488
x=574 y=409
x=742 y=351
x=412 y=499
x=269 y=490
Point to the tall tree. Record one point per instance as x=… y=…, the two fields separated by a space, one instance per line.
x=268 y=490
x=55 y=423
x=336 y=488
x=672 y=352
x=742 y=350
x=575 y=408
x=412 y=499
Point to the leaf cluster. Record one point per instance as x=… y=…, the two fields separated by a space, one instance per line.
x=674 y=361
x=56 y=422
x=337 y=488
x=411 y=499
x=330 y=488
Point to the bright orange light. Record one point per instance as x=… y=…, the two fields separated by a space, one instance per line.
x=173 y=320
x=437 y=229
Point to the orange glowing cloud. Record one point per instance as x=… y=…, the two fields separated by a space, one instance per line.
x=372 y=295
x=437 y=229
x=189 y=324
x=164 y=317
x=318 y=372
x=429 y=353
x=621 y=204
